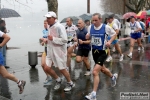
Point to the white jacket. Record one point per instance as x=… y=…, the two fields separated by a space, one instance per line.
x=57 y=48
x=127 y=28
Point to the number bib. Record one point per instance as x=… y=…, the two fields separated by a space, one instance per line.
x=70 y=36
x=96 y=41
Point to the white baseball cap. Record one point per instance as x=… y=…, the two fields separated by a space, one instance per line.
x=51 y=14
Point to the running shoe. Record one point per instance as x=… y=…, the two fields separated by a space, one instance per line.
x=109 y=58
x=57 y=85
x=121 y=57
x=90 y=96
x=113 y=79
x=21 y=86
x=87 y=73
x=69 y=87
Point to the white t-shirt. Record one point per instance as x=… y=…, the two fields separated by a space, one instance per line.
x=116 y=21
x=71 y=32
x=1 y=33
x=134 y=26
x=114 y=26
x=109 y=31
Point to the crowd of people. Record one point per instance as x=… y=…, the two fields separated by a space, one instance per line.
x=86 y=36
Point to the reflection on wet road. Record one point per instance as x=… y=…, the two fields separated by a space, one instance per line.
x=134 y=76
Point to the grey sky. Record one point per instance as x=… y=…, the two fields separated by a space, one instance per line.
x=66 y=7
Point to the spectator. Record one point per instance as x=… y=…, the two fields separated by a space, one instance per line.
x=3 y=49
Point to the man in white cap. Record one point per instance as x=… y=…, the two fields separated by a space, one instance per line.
x=57 y=51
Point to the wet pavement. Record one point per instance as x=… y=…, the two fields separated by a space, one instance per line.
x=134 y=76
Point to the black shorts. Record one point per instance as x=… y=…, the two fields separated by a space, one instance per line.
x=83 y=52
x=99 y=56
x=45 y=49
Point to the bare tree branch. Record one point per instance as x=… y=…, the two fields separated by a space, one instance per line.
x=136 y=5
x=22 y=3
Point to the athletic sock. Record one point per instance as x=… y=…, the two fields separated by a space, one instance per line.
x=19 y=82
x=58 y=79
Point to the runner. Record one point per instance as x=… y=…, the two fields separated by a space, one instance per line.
x=142 y=24
x=71 y=34
x=3 y=70
x=135 y=35
x=115 y=42
x=116 y=21
x=83 y=46
x=57 y=51
x=99 y=33
x=43 y=59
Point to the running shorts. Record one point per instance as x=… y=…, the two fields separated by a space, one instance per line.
x=99 y=56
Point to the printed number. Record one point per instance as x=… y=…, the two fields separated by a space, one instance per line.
x=70 y=35
x=96 y=41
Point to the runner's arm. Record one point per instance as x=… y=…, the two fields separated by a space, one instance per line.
x=110 y=31
x=138 y=26
x=75 y=37
x=118 y=23
x=62 y=39
x=6 y=38
x=87 y=42
x=88 y=36
x=115 y=27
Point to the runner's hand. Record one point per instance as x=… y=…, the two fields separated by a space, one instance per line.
x=80 y=41
x=50 y=37
x=75 y=44
x=75 y=39
x=42 y=43
x=45 y=40
x=108 y=44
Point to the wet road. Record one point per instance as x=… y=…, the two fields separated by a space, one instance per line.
x=134 y=76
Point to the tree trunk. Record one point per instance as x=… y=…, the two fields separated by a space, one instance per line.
x=136 y=5
x=53 y=6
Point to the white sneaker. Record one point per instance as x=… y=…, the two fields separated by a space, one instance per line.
x=113 y=49
x=114 y=79
x=121 y=57
x=57 y=85
x=69 y=87
x=48 y=81
x=139 y=48
x=90 y=96
x=129 y=55
x=109 y=58
x=87 y=73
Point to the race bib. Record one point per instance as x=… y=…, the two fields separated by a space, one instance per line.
x=96 y=41
x=70 y=35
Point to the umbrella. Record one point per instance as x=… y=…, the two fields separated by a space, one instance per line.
x=74 y=18
x=106 y=15
x=129 y=14
x=117 y=16
x=142 y=14
x=6 y=13
x=86 y=16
